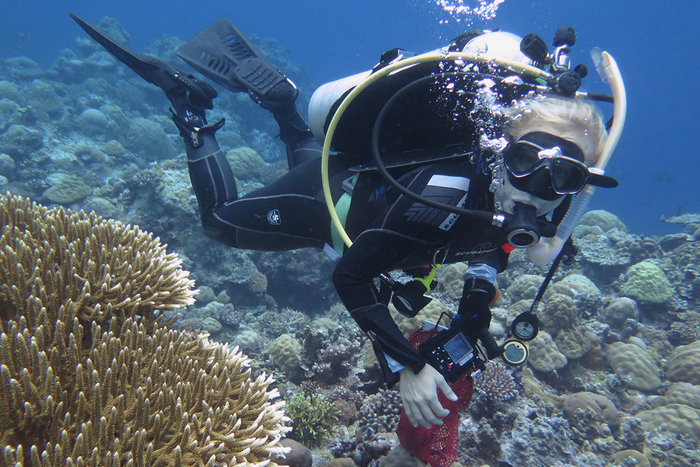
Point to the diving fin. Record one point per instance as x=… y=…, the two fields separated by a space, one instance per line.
x=222 y=53
x=175 y=83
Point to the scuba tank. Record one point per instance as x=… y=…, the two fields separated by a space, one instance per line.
x=425 y=120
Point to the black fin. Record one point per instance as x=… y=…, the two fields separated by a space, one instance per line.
x=172 y=81
x=222 y=53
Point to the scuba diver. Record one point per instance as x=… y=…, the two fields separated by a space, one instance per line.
x=424 y=172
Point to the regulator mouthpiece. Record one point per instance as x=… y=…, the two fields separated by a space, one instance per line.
x=522 y=228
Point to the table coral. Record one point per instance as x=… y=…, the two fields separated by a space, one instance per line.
x=88 y=373
x=646 y=282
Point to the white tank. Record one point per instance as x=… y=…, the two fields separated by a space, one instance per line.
x=498 y=44
x=323 y=99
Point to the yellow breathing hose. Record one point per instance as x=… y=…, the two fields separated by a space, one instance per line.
x=436 y=56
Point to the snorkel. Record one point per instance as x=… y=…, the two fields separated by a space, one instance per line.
x=546 y=250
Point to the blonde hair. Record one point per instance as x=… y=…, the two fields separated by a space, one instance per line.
x=572 y=119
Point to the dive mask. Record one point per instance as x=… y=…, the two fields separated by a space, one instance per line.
x=548 y=167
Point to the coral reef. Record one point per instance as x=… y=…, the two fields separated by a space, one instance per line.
x=684 y=364
x=313 y=418
x=635 y=365
x=83 y=135
x=88 y=374
x=646 y=282
x=496 y=383
x=54 y=258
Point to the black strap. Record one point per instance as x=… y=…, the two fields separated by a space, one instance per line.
x=547 y=280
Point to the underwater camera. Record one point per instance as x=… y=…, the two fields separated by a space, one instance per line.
x=454 y=351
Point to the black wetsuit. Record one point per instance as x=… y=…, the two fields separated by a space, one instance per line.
x=389 y=230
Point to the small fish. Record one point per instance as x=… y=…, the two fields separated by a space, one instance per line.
x=22 y=34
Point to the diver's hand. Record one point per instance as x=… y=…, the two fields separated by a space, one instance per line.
x=420 y=397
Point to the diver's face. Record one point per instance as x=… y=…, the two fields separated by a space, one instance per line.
x=510 y=195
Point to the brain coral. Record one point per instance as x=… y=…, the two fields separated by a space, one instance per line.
x=284 y=352
x=430 y=313
x=524 y=287
x=544 y=355
x=605 y=410
x=451 y=279
x=635 y=364
x=561 y=320
x=573 y=285
x=603 y=219
x=676 y=418
x=680 y=393
x=646 y=282
x=619 y=311
x=245 y=162
x=148 y=138
x=684 y=363
x=70 y=190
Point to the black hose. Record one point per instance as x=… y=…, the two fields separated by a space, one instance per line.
x=376 y=154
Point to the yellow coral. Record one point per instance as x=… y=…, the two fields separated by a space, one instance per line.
x=104 y=268
x=72 y=393
x=162 y=399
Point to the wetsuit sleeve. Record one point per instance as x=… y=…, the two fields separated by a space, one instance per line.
x=372 y=253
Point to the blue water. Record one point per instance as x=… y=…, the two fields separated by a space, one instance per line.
x=654 y=42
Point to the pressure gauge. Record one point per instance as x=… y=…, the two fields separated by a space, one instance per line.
x=525 y=327
x=515 y=353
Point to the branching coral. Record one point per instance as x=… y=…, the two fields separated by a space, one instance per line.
x=380 y=413
x=168 y=398
x=106 y=269
x=313 y=418
x=88 y=376
x=496 y=383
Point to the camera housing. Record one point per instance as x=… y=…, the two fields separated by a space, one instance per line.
x=452 y=352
